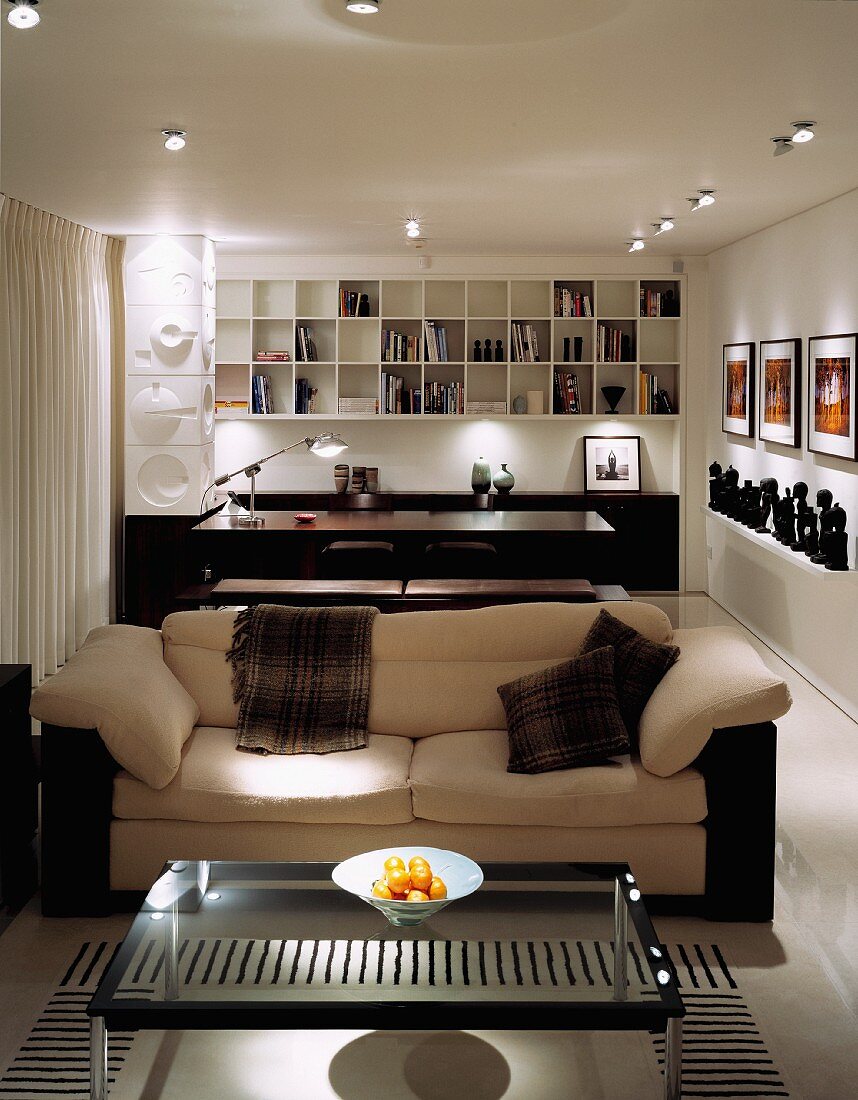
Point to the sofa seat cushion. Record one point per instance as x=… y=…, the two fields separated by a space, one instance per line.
x=462 y=777
x=217 y=783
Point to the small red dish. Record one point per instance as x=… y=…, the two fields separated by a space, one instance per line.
x=305 y=517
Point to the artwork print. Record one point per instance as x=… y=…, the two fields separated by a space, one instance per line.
x=612 y=464
x=780 y=392
x=831 y=396
x=737 y=410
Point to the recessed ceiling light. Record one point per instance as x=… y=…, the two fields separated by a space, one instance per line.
x=803 y=132
x=413 y=231
x=363 y=7
x=664 y=226
x=705 y=198
x=782 y=145
x=636 y=245
x=175 y=139
x=412 y=223
x=23 y=14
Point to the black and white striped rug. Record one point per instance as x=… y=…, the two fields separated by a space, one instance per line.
x=724 y=1053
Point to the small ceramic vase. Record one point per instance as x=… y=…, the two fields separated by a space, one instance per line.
x=372 y=479
x=341 y=477
x=358 y=479
x=503 y=479
x=481 y=476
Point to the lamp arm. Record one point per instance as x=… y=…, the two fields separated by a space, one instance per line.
x=224 y=478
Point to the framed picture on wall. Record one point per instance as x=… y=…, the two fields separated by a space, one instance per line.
x=612 y=464
x=779 y=390
x=831 y=396
x=737 y=390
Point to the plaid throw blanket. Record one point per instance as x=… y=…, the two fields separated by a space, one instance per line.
x=301 y=678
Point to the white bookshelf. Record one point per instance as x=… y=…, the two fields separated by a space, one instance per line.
x=262 y=314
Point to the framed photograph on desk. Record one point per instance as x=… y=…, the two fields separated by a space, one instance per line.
x=612 y=464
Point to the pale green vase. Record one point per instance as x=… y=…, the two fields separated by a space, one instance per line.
x=503 y=479
x=481 y=476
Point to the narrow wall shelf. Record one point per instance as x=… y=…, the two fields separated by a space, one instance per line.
x=766 y=542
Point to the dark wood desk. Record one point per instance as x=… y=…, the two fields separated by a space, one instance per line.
x=531 y=544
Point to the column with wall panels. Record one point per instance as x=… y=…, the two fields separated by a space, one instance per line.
x=169 y=373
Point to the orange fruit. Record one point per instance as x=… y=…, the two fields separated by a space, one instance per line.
x=380 y=889
x=392 y=863
x=399 y=880
x=437 y=889
x=400 y=897
x=421 y=877
x=415 y=860
x=417 y=895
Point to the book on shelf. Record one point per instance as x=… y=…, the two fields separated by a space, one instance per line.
x=398 y=347
x=525 y=344
x=396 y=397
x=273 y=357
x=483 y=408
x=652 y=400
x=357 y=406
x=305 y=345
x=657 y=303
x=613 y=345
x=237 y=405
x=305 y=397
x=571 y=303
x=350 y=302
x=436 y=342
x=261 y=395
x=567 y=399
x=444 y=398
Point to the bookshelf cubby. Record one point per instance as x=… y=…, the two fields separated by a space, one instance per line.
x=256 y=315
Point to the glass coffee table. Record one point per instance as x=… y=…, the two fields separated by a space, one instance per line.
x=541 y=946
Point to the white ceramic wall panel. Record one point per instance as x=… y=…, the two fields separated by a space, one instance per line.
x=169 y=367
x=796 y=279
x=166 y=480
x=177 y=411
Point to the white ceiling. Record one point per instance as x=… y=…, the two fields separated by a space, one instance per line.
x=511 y=126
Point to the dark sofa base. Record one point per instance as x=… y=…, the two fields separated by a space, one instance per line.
x=738 y=766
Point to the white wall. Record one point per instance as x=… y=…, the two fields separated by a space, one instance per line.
x=796 y=279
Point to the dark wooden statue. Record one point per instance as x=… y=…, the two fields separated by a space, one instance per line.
x=824 y=499
x=487 y=354
x=730 y=496
x=769 y=486
x=478 y=351
x=716 y=485
x=838 y=541
x=754 y=512
x=785 y=522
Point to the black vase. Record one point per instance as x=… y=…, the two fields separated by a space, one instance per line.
x=613 y=395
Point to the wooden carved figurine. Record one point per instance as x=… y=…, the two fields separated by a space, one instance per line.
x=838 y=541
x=499 y=354
x=769 y=486
x=799 y=494
x=487 y=354
x=824 y=499
x=478 y=351
x=716 y=485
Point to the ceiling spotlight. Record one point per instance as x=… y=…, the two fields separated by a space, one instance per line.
x=363 y=7
x=412 y=231
x=636 y=245
x=412 y=223
x=23 y=14
x=803 y=132
x=705 y=198
x=783 y=145
x=175 y=139
x=664 y=226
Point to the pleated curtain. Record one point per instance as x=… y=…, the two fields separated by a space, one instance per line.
x=61 y=318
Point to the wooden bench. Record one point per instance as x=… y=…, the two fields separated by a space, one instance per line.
x=416 y=595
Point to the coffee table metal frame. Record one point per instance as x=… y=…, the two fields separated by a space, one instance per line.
x=107 y=1012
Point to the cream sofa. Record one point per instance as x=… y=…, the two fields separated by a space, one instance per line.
x=160 y=779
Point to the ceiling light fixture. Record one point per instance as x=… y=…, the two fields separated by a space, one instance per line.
x=175 y=139
x=664 y=226
x=782 y=145
x=23 y=14
x=705 y=198
x=803 y=132
x=636 y=245
x=363 y=7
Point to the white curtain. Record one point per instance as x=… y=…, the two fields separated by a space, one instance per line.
x=60 y=326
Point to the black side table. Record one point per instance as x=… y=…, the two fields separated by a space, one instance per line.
x=18 y=788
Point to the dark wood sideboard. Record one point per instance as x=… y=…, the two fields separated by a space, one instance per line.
x=162 y=558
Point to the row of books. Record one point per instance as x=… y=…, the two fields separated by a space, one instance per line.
x=444 y=397
x=525 y=346
x=397 y=347
x=436 y=342
x=571 y=303
x=396 y=397
x=261 y=394
x=305 y=396
x=350 y=304
x=273 y=357
x=567 y=399
x=613 y=345
x=651 y=399
x=655 y=303
x=305 y=345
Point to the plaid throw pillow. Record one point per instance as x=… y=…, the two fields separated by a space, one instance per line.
x=564 y=716
x=639 y=665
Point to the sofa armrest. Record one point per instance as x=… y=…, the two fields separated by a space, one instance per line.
x=117 y=683
x=719 y=681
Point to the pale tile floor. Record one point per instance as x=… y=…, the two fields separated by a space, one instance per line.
x=799 y=974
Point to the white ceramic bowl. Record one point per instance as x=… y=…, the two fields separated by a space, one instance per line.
x=356 y=875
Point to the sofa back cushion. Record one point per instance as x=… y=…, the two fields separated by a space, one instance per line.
x=432 y=671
